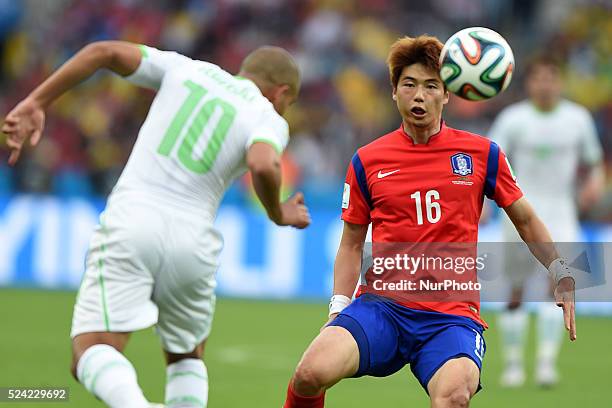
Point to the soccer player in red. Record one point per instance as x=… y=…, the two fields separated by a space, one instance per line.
x=422 y=183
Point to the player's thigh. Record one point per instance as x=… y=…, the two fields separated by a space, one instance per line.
x=374 y=324
x=332 y=356
x=454 y=344
x=185 y=288
x=115 y=292
x=185 y=313
x=454 y=384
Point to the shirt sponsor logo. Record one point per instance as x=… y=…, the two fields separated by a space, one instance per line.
x=462 y=164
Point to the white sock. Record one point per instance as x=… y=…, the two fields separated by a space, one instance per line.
x=187 y=384
x=513 y=330
x=108 y=375
x=550 y=332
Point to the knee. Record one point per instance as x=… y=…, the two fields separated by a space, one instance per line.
x=74 y=363
x=77 y=351
x=456 y=398
x=73 y=368
x=197 y=353
x=308 y=379
x=460 y=398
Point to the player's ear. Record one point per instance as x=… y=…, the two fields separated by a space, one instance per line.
x=446 y=96
x=394 y=95
x=280 y=91
x=282 y=97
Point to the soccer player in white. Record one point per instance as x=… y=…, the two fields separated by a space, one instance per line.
x=546 y=138
x=153 y=257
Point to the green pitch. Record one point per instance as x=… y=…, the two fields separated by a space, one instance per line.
x=254 y=348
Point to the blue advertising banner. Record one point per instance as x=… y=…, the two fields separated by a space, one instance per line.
x=44 y=240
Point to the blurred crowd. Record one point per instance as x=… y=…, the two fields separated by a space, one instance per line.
x=341 y=46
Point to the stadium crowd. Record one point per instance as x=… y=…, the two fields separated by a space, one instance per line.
x=340 y=44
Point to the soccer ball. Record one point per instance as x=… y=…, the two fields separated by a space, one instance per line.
x=476 y=63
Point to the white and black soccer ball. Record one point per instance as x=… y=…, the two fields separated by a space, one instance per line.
x=476 y=63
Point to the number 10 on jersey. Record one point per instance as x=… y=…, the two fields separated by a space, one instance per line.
x=200 y=125
x=432 y=207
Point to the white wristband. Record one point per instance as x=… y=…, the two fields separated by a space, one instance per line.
x=337 y=303
x=559 y=269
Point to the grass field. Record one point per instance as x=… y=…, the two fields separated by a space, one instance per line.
x=253 y=350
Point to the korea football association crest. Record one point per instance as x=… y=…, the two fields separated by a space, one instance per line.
x=462 y=164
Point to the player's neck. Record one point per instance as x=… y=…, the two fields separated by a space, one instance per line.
x=545 y=106
x=421 y=134
x=254 y=79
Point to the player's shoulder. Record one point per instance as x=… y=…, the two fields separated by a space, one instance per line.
x=263 y=106
x=183 y=68
x=260 y=115
x=172 y=60
x=468 y=139
x=237 y=89
x=386 y=143
x=275 y=119
x=211 y=72
x=573 y=108
x=209 y=66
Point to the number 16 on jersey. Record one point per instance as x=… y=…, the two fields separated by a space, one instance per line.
x=432 y=207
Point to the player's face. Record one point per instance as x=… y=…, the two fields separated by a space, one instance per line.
x=544 y=86
x=420 y=96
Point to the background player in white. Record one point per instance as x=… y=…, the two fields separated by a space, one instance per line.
x=153 y=257
x=547 y=139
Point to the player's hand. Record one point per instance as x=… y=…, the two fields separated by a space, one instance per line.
x=565 y=298
x=25 y=121
x=331 y=318
x=294 y=212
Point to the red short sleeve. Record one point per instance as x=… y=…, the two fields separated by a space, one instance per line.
x=501 y=184
x=355 y=206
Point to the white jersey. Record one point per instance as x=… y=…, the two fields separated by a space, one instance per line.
x=154 y=255
x=193 y=142
x=545 y=149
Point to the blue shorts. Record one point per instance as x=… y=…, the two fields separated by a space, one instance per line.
x=390 y=336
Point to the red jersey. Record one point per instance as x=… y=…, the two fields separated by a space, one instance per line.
x=424 y=193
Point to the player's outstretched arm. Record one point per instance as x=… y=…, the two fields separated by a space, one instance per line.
x=264 y=163
x=347 y=266
x=26 y=120
x=538 y=239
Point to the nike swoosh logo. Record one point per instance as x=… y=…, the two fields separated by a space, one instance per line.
x=381 y=174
